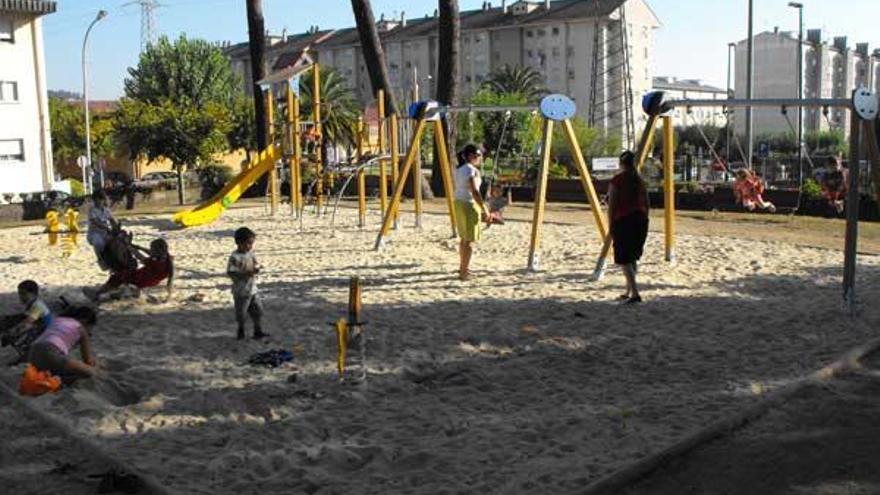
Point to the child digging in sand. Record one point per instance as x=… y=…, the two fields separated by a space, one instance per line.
x=51 y=351
x=35 y=319
x=243 y=269
x=158 y=265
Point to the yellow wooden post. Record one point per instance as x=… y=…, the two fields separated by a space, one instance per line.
x=288 y=143
x=296 y=164
x=383 y=172
x=540 y=197
x=445 y=171
x=417 y=168
x=669 y=187
x=398 y=189
x=395 y=162
x=319 y=152
x=586 y=180
x=273 y=174
x=362 y=176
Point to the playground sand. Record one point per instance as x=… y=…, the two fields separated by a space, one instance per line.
x=512 y=382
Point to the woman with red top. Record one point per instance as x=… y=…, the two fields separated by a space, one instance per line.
x=158 y=265
x=628 y=217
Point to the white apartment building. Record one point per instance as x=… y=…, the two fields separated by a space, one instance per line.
x=25 y=141
x=831 y=70
x=554 y=37
x=693 y=89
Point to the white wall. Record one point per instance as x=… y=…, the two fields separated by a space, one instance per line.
x=21 y=119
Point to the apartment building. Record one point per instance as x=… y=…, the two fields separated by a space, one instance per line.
x=831 y=70
x=25 y=141
x=693 y=89
x=556 y=38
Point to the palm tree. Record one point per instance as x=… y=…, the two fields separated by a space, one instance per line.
x=374 y=56
x=339 y=109
x=448 y=68
x=517 y=79
x=257 y=45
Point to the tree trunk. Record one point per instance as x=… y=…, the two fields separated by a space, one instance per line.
x=180 y=193
x=257 y=45
x=449 y=30
x=374 y=55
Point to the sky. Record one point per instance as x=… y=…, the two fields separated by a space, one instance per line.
x=690 y=43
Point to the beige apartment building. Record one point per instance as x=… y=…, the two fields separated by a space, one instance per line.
x=557 y=38
x=693 y=89
x=831 y=70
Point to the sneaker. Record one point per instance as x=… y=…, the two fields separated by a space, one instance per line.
x=259 y=334
x=240 y=334
x=633 y=300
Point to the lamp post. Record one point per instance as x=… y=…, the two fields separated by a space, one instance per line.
x=731 y=47
x=800 y=87
x=101 y=14
x=750 y=79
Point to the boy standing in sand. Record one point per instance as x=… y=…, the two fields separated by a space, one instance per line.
x=243 y=269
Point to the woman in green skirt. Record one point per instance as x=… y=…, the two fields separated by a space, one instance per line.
x=469 y=207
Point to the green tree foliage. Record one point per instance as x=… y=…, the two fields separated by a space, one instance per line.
x=487 y=127
x=242 y=134
x=68 y=131
x=525 y=81
x=180 y=104
x=339 y=110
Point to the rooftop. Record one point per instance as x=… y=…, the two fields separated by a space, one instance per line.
x=664 y=82
x=38 y=7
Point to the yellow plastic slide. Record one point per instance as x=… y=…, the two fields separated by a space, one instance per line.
x=211 y=209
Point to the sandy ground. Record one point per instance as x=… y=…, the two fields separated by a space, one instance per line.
x=511 y=383
x=823 y=441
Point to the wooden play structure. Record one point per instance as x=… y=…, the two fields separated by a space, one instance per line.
x=280 y=90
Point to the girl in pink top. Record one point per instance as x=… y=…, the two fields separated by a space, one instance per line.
x=51 y=351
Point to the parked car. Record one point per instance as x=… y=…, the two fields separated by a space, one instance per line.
x=157 y=180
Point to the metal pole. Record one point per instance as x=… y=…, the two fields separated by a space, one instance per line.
x=750 y=69
x=417 y=165
x=800 y=87
x=731 y=47
x=101 y=14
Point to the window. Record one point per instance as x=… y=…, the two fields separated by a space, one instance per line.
x=541 y=32
x=529 y=34
x=571 y=74
x=11 y=150
x=555 y=52
x=529 y=53
x=556 y=31
x=7 y=30
x=570 y=51
x=8 y=91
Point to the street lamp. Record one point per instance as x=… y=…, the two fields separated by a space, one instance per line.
x=731 y=48
x=101 y=14
x=800 y=87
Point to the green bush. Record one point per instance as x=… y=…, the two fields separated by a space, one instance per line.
x=690 y=187
x=76 y=188
x=811 y=189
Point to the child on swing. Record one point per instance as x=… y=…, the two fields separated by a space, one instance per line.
x=496 y=203
x=748 y=189
x=157 y=265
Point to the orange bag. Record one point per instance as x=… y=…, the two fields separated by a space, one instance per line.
x=35 y=382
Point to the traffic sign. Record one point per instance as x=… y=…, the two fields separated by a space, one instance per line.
x=82 y=161
x=605 y=164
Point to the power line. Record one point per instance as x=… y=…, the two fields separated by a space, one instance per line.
x=148 y=20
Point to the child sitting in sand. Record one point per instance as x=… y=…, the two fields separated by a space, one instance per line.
x=243 y=268
x=51 y=351
x=496 y=203
x=30 y=324
x=102 y=226
x=748 y=189
x=158 y=265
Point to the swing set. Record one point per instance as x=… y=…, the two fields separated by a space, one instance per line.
x=554 y=109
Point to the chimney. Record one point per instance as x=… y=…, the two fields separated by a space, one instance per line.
x=547 y=4
x=814 y=36
x=862 y=49
x=436 y=13
x=402 y=18
x=840 y=43
x=775 y=29
x=503 y=6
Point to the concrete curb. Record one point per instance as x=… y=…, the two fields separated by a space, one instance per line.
x=150 y=484
x=620 y=479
